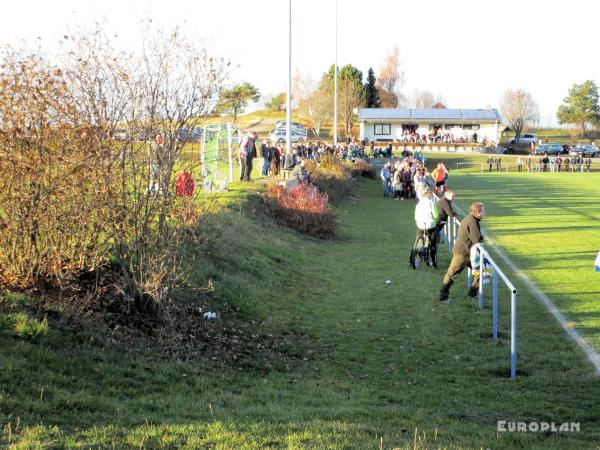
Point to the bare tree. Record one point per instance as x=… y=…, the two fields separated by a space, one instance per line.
x=425 y=99
x=303 y=85
x=159 y=97
x=350 y=97
x=54 y=190
x=518 y=108
x=317 y=109
x=390 y=79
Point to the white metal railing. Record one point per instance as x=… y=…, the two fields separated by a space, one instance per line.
x=450 y=233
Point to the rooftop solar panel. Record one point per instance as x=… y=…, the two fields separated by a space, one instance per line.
x=428 y=114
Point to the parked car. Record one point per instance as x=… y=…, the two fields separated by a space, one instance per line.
x=552 y=148
x=279 y=135
x=189 y=134
x=524 y=139
x=281 y=123
x=585 y=150
x=120 y=134
x=294 y=129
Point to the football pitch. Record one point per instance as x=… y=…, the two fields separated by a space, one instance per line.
x=548 y=225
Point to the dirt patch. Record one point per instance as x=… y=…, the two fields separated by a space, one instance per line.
x=97 y=308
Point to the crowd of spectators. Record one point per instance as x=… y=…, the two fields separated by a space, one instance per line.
x=545 y=163
x=409 y=178
x=439 y=137
x=276 y=162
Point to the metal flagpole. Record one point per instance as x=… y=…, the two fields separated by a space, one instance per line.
x=288 y=106
x=230 y=151
x=335 y=81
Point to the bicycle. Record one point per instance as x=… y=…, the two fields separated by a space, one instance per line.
x=423 y=249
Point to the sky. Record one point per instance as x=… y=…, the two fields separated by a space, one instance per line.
x=468 y=51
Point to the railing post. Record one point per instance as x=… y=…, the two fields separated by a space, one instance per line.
x=495 y=306
x=454 y=231
x=480 y=295
x=469 y=278
x=513 y=334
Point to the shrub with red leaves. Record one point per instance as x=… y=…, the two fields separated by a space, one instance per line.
x=303 y=208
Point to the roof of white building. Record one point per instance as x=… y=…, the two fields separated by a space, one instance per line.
x=483 y=115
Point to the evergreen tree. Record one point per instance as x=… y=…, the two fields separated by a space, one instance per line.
x=371 y=91
x=581 y=106
x=234 y=101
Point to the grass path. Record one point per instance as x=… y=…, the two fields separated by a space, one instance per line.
x=385 y=365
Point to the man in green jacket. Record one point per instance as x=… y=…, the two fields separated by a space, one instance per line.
x=469 y=234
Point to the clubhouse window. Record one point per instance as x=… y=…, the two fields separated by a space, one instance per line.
x=383 y=128
x=474 y=126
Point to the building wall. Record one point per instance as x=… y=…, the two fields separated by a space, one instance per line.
x=486 y=130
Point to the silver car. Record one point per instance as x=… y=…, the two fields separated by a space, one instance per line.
x=279 y=135
x=585 y=150
x=526 y=138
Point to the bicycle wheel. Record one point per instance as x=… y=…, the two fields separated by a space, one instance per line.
x=416 y=255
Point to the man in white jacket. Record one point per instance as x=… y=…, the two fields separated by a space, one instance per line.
x=426 y=214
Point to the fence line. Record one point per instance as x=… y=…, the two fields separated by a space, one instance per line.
x=450 y=232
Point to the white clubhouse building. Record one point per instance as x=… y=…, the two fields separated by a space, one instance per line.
x=392 y=124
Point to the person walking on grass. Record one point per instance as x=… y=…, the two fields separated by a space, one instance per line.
x=469 y=234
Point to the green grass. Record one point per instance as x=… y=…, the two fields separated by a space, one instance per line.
x=547 y=223
x=378 y=365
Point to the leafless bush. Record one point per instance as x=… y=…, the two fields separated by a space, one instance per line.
x=75 y=195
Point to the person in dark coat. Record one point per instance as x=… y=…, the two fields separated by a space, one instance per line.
x=266 y=155
x=276 y=153
x=469 y=234
x=445 y=210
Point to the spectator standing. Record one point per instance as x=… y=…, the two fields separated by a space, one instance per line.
x=385 y=175
x=490 y=162
x=498 y=163
x=266 y=155
x=246 y=153
x=545 y=161
x=519 y=164
x=157 y=155
x=439 y=176
x=276 y=153
x=445 y=210
x=469 y=234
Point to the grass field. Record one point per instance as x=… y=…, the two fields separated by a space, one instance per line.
x=547 y=223
x=376 y=366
